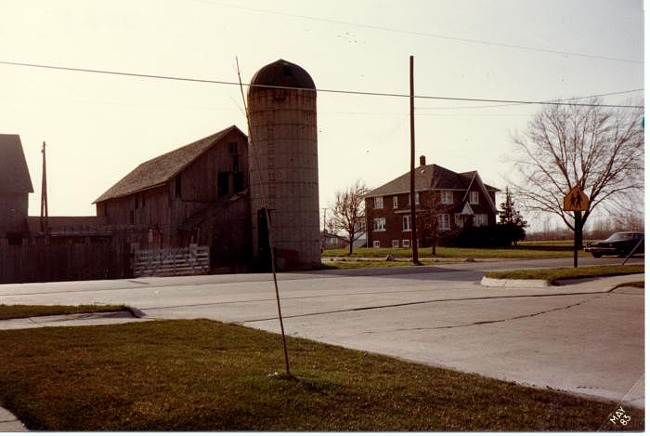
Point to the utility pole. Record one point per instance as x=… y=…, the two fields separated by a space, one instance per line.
x=45 y=228
x=414 y=234
x=324 y=229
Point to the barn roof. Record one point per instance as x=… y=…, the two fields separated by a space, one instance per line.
x=163 y=168
x=428 y=177
x=14 y=174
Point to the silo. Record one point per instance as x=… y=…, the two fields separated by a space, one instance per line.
x=283 y=164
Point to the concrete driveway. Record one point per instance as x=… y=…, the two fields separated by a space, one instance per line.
x=584 y=338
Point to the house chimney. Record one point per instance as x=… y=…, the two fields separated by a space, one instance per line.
x=423 y=160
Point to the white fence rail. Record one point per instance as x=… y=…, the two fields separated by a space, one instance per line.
x=190 y=260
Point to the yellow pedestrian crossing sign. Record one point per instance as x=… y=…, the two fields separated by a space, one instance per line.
x=576 y=200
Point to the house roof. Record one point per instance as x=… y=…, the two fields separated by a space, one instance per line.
x=163 y=168
x=428 y=177
x=14 y=174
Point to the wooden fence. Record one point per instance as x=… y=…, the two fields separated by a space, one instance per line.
x=172 y=261
x=64 y=262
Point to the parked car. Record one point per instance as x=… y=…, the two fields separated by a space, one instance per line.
x=618 y=244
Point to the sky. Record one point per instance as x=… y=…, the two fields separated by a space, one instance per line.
x=98 y=127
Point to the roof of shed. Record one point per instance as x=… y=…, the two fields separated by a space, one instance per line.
x=427 y=177
x=163 y=168
x=14 y=174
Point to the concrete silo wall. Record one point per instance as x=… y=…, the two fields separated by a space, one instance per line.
x=284 y=169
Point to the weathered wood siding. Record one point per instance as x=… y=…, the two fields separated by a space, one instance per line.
x=165 y=208
x=13 y=213
x=66 y=262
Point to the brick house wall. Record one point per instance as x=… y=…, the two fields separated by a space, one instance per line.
x=447 y=209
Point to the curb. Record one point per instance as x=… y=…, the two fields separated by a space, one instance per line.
x=514 y=283
x=8 y=422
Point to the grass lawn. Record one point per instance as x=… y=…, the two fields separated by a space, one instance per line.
x=206 y=375
x=19 y=311
x=452 y=252
x=358 y=262
x=554 y=274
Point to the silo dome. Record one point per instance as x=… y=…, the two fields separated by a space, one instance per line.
x=283 y=166
x=284 y=74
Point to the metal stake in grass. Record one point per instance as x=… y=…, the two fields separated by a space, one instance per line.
x=267 y=216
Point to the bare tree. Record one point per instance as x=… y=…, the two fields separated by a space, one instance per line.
x=348 y=220
x=597 y=148
x=429 y=216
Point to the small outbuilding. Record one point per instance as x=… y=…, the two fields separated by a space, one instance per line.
x=15 y=187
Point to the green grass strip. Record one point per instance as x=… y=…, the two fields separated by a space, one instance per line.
x=453 y=252
x=554 y=274
x=204 y=375
x=21 y=311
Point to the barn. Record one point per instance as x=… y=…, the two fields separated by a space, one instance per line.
x=196 y=194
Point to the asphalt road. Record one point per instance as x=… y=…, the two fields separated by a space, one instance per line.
x=583 y=338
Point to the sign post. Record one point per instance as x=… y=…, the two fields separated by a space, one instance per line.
x=576 y=201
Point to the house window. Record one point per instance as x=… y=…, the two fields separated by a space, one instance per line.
x=379 y=202
x=480 y=219
x=406 y=223
x=443 y=222
x=460 y=220
x=417 y=198
x=446 y=197
x=406 y=243
x=395 y=202
x=376 y=244
x=395 y=243
x=473 y=197
x=380 y=224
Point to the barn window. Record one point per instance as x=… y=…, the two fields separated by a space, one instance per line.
x=238 y=182
x=233 y=148
x=222 y=184
x=179 y=187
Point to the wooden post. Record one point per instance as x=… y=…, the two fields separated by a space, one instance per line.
x=44 y=213
x=414 y=233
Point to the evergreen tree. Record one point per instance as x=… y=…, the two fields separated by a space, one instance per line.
x=511 y=220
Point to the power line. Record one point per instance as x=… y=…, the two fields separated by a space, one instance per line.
x=332 y=91
x=606 y=94
x=426 y=34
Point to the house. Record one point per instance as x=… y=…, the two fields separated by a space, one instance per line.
x=15 y=187
x=445 y=202
x=196 y=194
